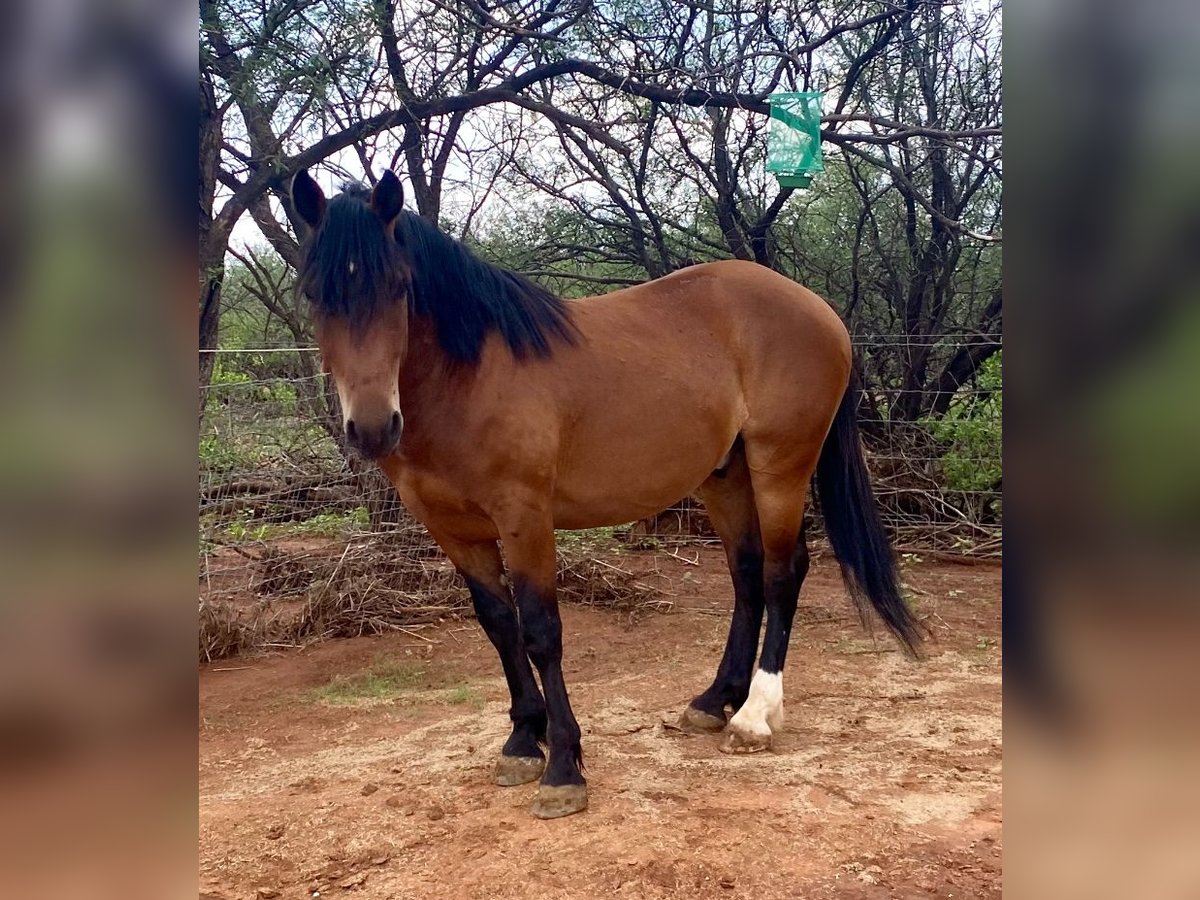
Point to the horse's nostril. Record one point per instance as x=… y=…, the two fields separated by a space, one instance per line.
x=396 y=422
x=351 y=430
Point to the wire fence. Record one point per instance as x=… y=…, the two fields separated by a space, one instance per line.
x=300 y=539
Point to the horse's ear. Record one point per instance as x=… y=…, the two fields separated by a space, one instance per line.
x=307 y=198
x=388 y=197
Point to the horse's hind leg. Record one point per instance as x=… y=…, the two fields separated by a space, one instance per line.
x=522 y=759
x=779 y=499
x=729 y=499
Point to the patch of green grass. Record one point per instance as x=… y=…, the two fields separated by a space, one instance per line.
x=383 y=681
x=333 y=524
x=244 y=528
x=465 y=694
x=591 y=540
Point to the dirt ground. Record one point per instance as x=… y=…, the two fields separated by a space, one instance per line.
x=364 y=766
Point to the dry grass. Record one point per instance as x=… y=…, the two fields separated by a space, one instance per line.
x=593 y=582
x=372 y=587
x=226 y=630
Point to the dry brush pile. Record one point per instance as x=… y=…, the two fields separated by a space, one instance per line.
x=372 y=586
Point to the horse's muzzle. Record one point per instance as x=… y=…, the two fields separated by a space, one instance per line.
x=375 y=440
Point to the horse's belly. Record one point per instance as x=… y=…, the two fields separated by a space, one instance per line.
x=626 y=485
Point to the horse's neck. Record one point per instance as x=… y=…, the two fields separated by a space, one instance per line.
x=432 y=390
x=424 y=371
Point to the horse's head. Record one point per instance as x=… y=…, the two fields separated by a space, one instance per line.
x=358 y=282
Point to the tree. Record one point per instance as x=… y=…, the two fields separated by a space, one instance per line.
x=293 y=83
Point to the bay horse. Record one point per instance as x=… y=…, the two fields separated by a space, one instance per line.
x=501 y=412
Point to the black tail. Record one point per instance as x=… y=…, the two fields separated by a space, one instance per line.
x=854 y=528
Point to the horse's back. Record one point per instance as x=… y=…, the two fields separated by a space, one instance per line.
x=739 y=321
x=763 y=304
x=667 y=374
x=746 y=299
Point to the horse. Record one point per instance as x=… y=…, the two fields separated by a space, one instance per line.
x=502 y=412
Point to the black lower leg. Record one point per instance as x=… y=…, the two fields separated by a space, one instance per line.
x=782 y=590
x=732 y=682
x=542 y=632
x=528 y=711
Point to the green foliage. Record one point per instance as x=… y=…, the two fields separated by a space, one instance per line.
x=591 y=540
x=217 y=455
x=333 y=524
x=971 y=433
x=264 y=407
x=223 y=376
x=230 y=379
x=244 y=527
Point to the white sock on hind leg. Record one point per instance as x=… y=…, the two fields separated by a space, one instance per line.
x=762 y=712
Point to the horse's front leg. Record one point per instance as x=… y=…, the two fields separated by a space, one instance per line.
x=522 y=759
x=529 y=548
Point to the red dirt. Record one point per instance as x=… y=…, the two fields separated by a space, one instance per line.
x=885 y=782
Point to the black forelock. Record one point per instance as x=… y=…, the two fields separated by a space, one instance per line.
x=351 y=268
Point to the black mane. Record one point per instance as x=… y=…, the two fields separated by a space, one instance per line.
x=467 y=297
x=464 y=296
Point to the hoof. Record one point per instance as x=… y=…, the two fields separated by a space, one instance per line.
x=697 y=720
x=513 y=770
x=744 y=740
x=552 y=802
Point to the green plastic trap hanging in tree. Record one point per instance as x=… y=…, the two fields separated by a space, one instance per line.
x=794 y=141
